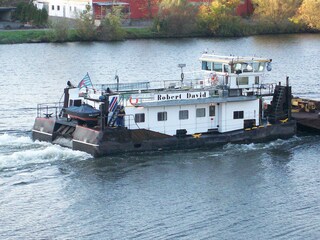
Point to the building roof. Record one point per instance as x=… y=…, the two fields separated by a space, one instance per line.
x=111 y=3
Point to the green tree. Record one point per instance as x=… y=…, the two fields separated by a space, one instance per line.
x=85 y=28
x=59 y=30
x=309 y=14
x=111 y=26
x=26 y=12
x=176 y=17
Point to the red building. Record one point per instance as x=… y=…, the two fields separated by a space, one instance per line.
x=142 y=9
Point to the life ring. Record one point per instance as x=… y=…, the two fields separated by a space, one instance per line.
x=265 y=106
x=133 y=102
x=214 y=78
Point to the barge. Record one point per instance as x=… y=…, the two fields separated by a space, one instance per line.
x=223 y=104
x=306 y=112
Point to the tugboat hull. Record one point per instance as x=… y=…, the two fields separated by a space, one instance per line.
x=121 y=140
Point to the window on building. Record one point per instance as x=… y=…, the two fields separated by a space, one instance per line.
x=75 y=9
x=238 y=115
x=58 y=8
x=162 y=116
x=70 y=8
x=139 y=117
x=200 y=112
x=52 y=7
x=183 y=114
x=212 y=111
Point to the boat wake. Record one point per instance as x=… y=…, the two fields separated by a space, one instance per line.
x=18 y=152
x=277 y=144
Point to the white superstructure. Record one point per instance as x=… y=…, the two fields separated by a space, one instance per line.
x=225 y=99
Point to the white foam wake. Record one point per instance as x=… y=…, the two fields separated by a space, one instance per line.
x=24 y=151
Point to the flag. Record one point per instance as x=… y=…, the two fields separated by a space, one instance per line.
x=113 y=104
x=85 y=82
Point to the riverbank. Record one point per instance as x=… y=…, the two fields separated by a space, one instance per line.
x=46 y=35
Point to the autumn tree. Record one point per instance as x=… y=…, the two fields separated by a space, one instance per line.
x=219 y=18
x=308 y=14
x=275 y=11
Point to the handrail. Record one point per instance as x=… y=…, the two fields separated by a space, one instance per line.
x=43 y=109
x=131 y=115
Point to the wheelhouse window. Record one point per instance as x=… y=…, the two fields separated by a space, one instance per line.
x=139 y=117
x=200 y=112
x=238 y=115
x=226 y=68
x=217 y=67
x=258 y=66
x=212 y=111
x=52 y=7
x=183 y=114
x=162 y=116
x=206 y=65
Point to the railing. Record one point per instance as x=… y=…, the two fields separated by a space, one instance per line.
x=49 y=109
x=123 y=86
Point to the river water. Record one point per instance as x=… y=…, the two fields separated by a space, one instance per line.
x=235 y=191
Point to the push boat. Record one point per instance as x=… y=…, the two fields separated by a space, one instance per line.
x=224 y=102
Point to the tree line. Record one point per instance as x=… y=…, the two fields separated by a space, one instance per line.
x=182 y=18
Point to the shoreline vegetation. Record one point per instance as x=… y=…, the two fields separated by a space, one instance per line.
x=48 y=35
x=175 y=19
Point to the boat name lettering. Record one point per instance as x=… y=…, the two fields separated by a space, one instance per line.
x=178 y=96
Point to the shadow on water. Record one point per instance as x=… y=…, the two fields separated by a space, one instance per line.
x=229 y=156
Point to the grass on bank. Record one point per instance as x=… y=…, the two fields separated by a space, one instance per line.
x=23 y=36
x=41 y=35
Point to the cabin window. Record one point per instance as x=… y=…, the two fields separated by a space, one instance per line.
x=200 y=112
x=238 y=115
x=242 y=80
x=206 y=65
x=162 y=116
x=183 y=114
x=52 y=7
x=256 y=80
x=139 y=117
x=212 y=111
x=76 y=102
x=58 y=8
x=217 y=67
